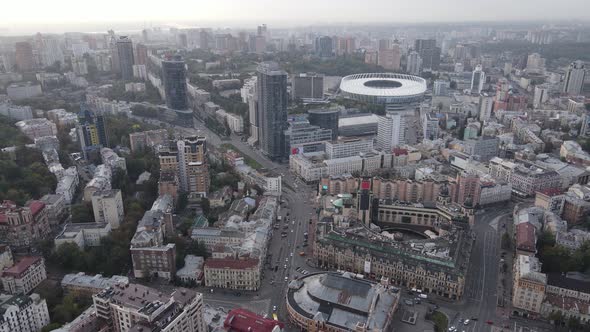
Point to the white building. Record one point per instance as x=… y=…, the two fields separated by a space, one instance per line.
x=67 y=184
x=574 y=78
x=274 y=185
x=414 y=63
x=15 y=112
x=35 y=128
x=62 y=118
x=24 y=276
x=529 y=284
x=391 y=129
x=83 y=234
x=348 y=147
x=107 y=206
x=430 y=128
x=486 y=103
x=112 y=160
x=21 y=313
x=192 y=271
x=440 y=88
x=478 y=78
x=17 y=91
x=540 y=96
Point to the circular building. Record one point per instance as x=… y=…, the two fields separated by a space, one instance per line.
x=330 y=301
x=397 y=91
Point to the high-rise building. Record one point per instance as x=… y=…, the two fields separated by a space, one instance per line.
x=391 y=129
x=390 y=59
x=541 y=95
x=174 y=77
x=384 y=44
x=307 y=86
x=193 y=169
x=141 y=52
x=535 y=64
x=414 y=63
x=430 y=126
x=49 y=51
x=91 y=130
x=478 y=78
x=429 y=53
x=125 y=55
x=440 y=87
x=486 y=103
x=272 y=108
x=325 y=118
x=574 y=78
x=324 y=47
x=24 y=57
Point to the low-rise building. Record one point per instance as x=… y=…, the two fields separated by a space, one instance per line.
x=83 y=284
x=158 y=261
x=573 y=153
x=35 y=128
x=339 y=302
x=241 y=320
x=192 y=271
x=84 y=235
x=6 y=258
x=112 y=160
x=243 y=274
x=68 y=184
x=526 y=239
x=56 y=208
x=22 y=226
x=24 y=276
x=147 y=139
x=134 y=307
x=529 y=284
x=17 y=91
x=22 y=313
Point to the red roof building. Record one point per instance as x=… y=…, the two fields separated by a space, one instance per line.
x=24 y=276
x=241 y=320
x=526 y=239
x=20 y=226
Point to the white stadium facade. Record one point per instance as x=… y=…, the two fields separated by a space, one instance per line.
x=396 y=91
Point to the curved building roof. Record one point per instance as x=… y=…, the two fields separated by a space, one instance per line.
x=383 y=88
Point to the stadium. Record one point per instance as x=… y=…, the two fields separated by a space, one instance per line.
x=397 y=91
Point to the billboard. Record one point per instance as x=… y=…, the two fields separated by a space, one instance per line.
x=367 y=266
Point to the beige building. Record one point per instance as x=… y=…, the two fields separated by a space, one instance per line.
x=24 y=276
x=135 y=307
x=529 y=284
x=22 y=313
x=232 y=273
x=108 y=207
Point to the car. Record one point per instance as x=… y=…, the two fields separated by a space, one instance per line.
x=489 y=322
x=274 y=308
x=291 y=255
x=409 y=302
x=452 y=329
x=285 y=266
x=466 y=322
x=286 y=278
x=287 y=259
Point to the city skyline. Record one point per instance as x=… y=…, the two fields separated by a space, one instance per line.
x=62 y=15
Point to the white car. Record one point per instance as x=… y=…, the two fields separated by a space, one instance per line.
x=286 y=278
x=291 y=254
x=466 y=322
x=274 y=308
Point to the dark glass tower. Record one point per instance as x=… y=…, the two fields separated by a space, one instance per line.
x=272 y=108
x=325 y=118
x=174 y=76
x=126 y=61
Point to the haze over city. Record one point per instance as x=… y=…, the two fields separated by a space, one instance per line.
x=289 y=166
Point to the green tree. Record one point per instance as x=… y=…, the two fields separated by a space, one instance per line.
x=506 y=241
x=82 y=213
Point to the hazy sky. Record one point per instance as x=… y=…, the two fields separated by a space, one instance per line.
x=290 y=12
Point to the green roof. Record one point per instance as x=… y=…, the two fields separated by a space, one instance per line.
x=200 y=221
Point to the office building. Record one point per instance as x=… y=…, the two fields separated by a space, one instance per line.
x=541 y=95
x=430 y=128
x=486 y=104
x=141 y=52
x=134 y=307
x=478 y=78
x=91 y=130
x=348 y=148
x=391 y=130
x=324 y=47
x=325 y=118
x=440 y=88
x=483 y=148
x=22 y=313
x=315 y=303
x=175 y=87
x=307 y=86
x=303 y=137
x=24 y=276
x=414 y=63
x=24 y=58
x=21 y=226
x=358 y=125
x=272 y=108
x=575 y=76
x=125 y=56
x=429 y=53
x=107 y=206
